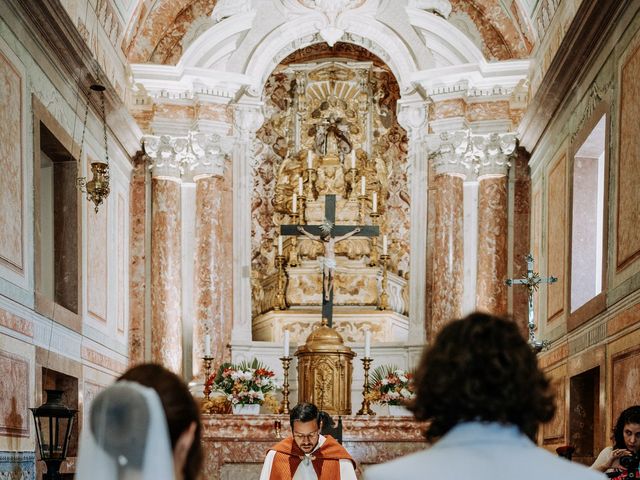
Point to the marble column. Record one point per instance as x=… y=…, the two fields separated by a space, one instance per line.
x=248 y=118
x=448 y=238
x=213 y=267
x=412 y=116
x=491 y=290
x=166 y=279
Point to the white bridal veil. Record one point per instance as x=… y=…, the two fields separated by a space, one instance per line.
x=126 y=436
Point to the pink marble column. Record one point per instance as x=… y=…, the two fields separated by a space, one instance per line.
x=447 y=288
x=166 y=280
x=210 y=278
x=491 y=290
x=137 y=279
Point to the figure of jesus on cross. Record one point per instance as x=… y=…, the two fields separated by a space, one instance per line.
x=328 y=261
x=329 y=234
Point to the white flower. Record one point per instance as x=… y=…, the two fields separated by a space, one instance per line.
x=405 y=393
x=403 y=379
x=385 y=381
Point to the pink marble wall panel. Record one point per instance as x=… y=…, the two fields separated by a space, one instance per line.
x=103 y=360
x=15 y=323
x=536 y=235
x=210 y=111
x=488 y=111
x=14 y=401
x=11 y=254
x=554 y=431
x=121 y=237
x=628 y=213
x=137 y=279
x=97 y=262
x=556 y=237
x=625 y=380
x=208 y=280
x=623 y=320
x=448 y=109
x=447 y=252
x=521 y=238
x=236 y=439
x=166 y=280
x=491 y=290
x=174 y=112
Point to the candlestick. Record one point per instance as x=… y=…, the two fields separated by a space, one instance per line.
x=294 y=206
x=207 y=345
x=286 y=343
x=384 y=245
x=309 y=160
x=206 y=360
x=367 y=343
x=286 y=360
x=300 y=191
x=281 y=301
x=365 y=409
x=363 y=186
x=383 y=303
x=375 y=202
x=280 y=245
x=353 y=158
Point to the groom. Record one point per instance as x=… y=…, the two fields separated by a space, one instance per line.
x=308 y=455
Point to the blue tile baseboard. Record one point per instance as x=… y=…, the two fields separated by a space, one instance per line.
x=17 y=465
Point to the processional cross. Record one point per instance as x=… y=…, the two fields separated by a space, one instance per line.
x=329 y=233
x=532 y=281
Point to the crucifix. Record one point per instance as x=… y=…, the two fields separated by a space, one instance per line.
x=532 y=281
x=329 y=234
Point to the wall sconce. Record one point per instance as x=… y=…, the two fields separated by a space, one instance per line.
x=53 y=422
x=96 y=189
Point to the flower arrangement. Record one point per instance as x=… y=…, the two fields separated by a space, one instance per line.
x=391 y=385
x=247 y=383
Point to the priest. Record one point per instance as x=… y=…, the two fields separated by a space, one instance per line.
x=307 y=454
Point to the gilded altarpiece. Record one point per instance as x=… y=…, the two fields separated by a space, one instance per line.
x=331 y=108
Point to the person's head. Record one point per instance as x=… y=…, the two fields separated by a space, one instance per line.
x=480 y=368
x=182 y=413
x=306 y=422
x=626 y=433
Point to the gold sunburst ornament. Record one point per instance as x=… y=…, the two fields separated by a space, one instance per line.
x=97 y=189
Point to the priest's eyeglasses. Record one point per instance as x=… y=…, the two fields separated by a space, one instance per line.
x=311 y=436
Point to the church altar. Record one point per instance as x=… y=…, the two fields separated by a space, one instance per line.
x=235 y=445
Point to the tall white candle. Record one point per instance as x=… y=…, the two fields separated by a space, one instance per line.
x=286 y=343
x=300 y=186
x=309 y=159
x=367 y=343
x=207 y=345
x=384 y=245
x=375 y=202
x=353 y=158
x=294 y=207
x=280 y=245
x=363 y=186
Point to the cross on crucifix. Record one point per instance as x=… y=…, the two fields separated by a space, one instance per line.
x=328 y=233
x=532 y=281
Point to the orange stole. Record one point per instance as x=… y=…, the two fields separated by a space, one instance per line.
x=326 y=460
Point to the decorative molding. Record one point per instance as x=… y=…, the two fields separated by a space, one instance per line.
x=332 y=30
x=439 y=7
x=461 y=153
x=594 y=97
x=200 y=153
x=18 y=465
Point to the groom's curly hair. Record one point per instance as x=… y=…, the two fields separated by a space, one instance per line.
x=481 y=368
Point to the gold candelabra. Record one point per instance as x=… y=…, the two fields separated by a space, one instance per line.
x=373 y=256
x=206 y=361
x=365 y=409
x=310 y=183
x=362 y=199
x=353 y=173
x=281 y=302
x=285 y=384
x=384 y=296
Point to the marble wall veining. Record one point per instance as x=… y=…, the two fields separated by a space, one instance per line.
x=166 y=316
x=447 y=269
x=556 y=237
x=137 y=253
x=491 y=290
x=11 y=203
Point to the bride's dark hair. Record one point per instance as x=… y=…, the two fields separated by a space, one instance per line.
x=179 y=407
